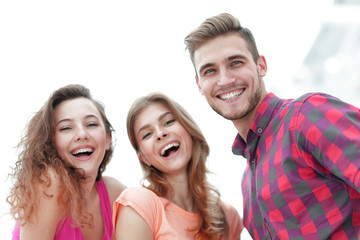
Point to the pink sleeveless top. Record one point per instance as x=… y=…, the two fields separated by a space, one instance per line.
x=65 y=231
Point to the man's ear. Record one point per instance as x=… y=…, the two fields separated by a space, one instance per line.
x=198 y=84
x=261 y=62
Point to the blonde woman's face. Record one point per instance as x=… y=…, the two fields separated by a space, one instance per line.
x=80 y=137
x=163 y=142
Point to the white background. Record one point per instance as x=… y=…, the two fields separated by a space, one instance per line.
x=122 y=50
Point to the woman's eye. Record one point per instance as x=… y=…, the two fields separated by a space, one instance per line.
x=65 y=128
x=146 y=135
x=93 y=124
x=167 y=123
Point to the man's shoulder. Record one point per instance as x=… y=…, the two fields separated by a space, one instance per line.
x=313 y=95
x=314 y=98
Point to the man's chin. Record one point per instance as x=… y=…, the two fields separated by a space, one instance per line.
x=230 y=117
x=227 y=115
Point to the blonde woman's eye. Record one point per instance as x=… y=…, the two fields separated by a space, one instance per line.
x=146 y=135
x=169 y=122
x=65 y=128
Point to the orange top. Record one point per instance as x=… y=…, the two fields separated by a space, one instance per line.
x=166 y=219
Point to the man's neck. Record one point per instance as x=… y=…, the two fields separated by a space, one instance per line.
x=243 y=125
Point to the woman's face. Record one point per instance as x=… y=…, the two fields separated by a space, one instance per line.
x=163 y=142
x=80 y=135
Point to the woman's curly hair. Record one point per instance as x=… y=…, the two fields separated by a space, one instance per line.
x=38 y=155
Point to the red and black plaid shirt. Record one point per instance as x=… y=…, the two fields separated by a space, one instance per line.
x=302 y=179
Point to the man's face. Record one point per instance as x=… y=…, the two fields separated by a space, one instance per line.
x=228 y=77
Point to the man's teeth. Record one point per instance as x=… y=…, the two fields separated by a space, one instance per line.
x=167 y=147
x=230 y=95
x=82 y=150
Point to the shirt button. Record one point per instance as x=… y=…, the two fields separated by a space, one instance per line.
x=259 y=130
x=253 y=160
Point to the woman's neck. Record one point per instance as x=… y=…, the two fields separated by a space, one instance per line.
x=182 y=196
x=90 y=190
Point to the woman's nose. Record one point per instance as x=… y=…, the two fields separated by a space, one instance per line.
x=161 y=135
x=81 y=134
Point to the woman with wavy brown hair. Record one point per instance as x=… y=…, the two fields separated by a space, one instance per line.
x=59 y=191
x=176 y=200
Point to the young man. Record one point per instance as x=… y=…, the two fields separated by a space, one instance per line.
x=302 y=179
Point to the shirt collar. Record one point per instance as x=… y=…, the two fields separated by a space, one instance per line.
x=258 y=126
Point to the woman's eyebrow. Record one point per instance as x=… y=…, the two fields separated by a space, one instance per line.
x=159 y=119
x=163 y=115
x=70 y=119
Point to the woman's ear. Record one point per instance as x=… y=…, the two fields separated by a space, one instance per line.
x=143 y=159
x=108 y=141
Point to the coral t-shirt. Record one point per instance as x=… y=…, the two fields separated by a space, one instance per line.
x=165 y=219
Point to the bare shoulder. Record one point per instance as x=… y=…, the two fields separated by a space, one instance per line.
x=43 y=222
x=114 y=187
x=49 y=183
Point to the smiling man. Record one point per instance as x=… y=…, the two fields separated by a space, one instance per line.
x=302 y=178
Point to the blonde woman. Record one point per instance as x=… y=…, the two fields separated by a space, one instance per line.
x=176 y=202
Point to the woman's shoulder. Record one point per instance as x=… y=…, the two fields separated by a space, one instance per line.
x=139 y=192
x=139 y=198
x=113 y=187
x=49 y=212
x=143 y=202
x=135 y=207
x=49 y=182
x=228 y=206
x=231 y=211
x=234 y=220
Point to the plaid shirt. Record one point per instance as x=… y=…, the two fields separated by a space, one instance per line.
x=302 y=180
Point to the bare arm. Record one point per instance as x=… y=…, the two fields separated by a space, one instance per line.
x=131 y=226
x=44 y=221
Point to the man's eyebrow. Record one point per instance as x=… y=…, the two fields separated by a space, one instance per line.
x=205 y=66
x=237 y=56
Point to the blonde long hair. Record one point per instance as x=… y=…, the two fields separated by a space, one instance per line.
x=38 y=154
x=213 y=221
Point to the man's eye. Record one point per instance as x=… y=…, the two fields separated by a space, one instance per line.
x=167 y=123
x=208 y=71
x=235 y=63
